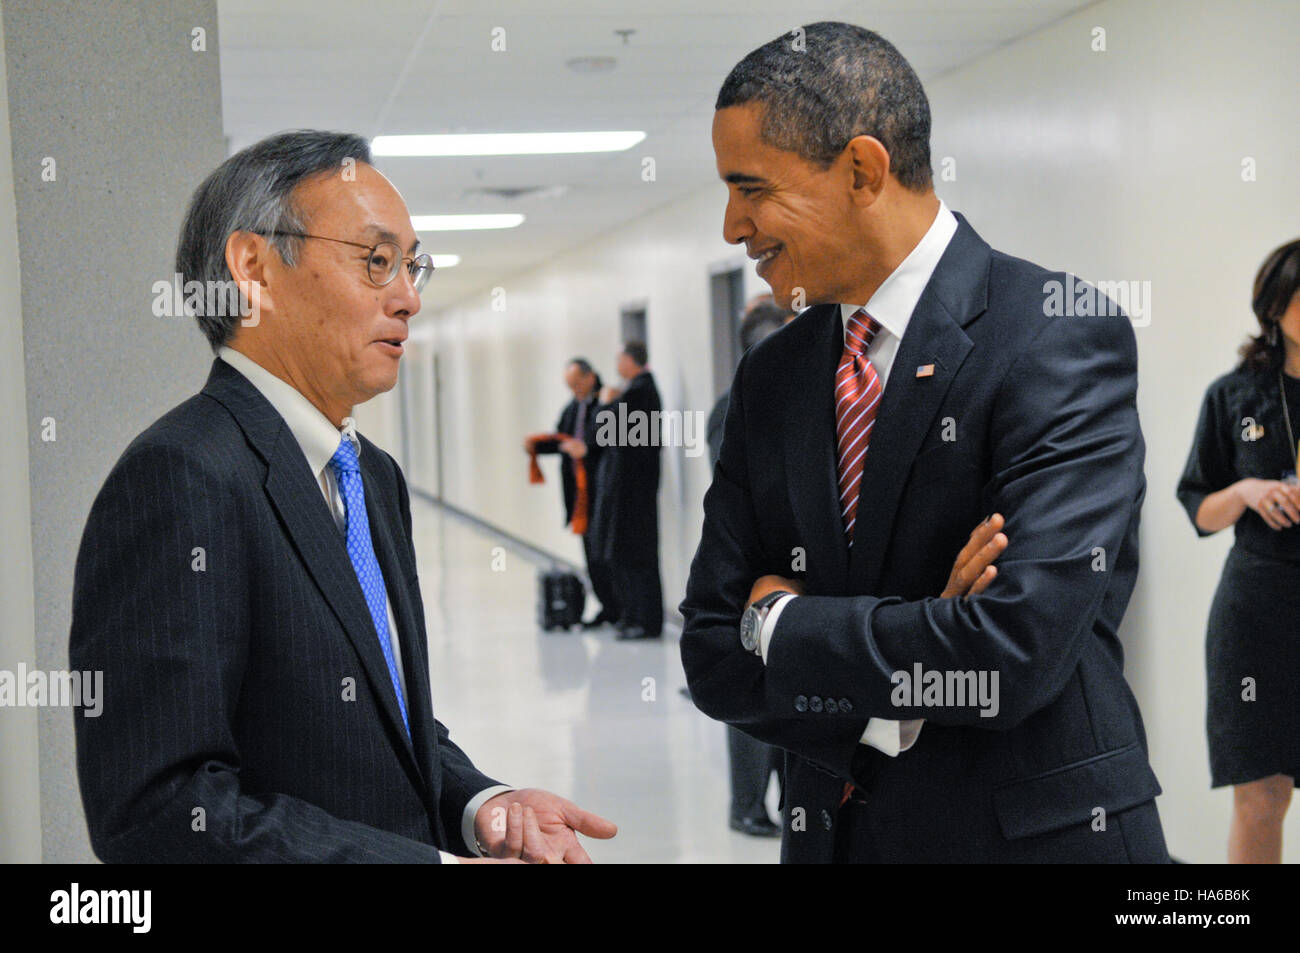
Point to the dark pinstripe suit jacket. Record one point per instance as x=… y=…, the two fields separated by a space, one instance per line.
x=248 y=713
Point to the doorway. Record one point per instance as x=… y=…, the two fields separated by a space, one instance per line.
x=727 y=304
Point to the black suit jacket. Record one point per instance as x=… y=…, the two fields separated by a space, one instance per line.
x=567 y=424
x=1045 y=430
x=714 y=428
x=625 y=527
x=248 y=711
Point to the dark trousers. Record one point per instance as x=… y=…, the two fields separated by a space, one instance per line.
x=602 y=580
x=853 y=844
x=640 y=595
x=752 y=764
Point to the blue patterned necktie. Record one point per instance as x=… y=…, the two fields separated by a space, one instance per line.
x=361 y=551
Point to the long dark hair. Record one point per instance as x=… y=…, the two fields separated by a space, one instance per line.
x=1275 y=285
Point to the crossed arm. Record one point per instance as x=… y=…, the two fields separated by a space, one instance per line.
x=1066 y=466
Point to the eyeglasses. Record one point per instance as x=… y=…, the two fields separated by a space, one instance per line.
x=382 y=260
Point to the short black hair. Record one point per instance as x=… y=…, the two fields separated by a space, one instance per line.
x=252 y=191
x=637 y=352
x=836 y=82
x=762 y=319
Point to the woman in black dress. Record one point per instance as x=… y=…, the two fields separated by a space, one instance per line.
x=1242 y=471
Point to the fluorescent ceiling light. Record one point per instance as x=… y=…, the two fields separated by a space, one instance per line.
x=445 y=261
x=504 y=144
x=463 y=223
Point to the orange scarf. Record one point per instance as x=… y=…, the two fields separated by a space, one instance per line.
x=578 y=525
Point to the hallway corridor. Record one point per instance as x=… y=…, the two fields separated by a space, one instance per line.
x=572 y=712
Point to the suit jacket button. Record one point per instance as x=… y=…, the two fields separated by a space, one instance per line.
x=846 y=706
x=800 y=703
x=815 y=703
x=826 y=819
x=831 y=706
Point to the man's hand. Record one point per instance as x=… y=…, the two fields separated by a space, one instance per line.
x=574 y=447
x=974 y=569
x=765 y=584
x=971 y=573
x=538 y=827
x=522 y=835
x=488 y=860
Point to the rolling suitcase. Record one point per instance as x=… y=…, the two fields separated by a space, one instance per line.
x=561 y=598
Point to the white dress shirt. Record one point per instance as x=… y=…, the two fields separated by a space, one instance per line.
x=892 y=306
x=319 y=440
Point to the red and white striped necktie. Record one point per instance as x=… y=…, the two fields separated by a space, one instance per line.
x=857 y=397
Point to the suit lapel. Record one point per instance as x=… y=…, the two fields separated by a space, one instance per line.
x=809 y=427
x=955 y=295
x=297 y=499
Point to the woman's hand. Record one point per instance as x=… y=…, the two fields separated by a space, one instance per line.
x=1276 y=502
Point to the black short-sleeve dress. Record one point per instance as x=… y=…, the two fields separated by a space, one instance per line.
x=1252 y=645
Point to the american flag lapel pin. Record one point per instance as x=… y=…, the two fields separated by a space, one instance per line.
x=925 y=370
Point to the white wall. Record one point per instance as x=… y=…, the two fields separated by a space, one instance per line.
x=93 y=239
x=1123 y=164
x=20 y=809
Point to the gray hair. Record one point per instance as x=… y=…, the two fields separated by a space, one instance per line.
x=764 y=318
x=838 y=82
x=252 y=191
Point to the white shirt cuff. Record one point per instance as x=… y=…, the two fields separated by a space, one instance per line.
x=448 y=858
x=769 y=624
x=891 y=737
x=471 y=811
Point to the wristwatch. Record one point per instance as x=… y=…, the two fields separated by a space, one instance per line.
x=751 y=623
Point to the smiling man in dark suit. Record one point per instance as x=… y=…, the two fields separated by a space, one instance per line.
x=926 y=387
x=247 y=579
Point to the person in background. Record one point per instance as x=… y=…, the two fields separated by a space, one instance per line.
x=761 y=319
x=578 y=420
x=626 y=519
x=1241 y=472
x=752 y=762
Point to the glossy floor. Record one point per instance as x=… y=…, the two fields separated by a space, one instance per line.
x=599 y=721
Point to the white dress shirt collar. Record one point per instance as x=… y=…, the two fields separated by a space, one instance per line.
x=318 y=438
x=895 y=300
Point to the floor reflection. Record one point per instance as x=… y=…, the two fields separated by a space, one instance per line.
x=599 y=721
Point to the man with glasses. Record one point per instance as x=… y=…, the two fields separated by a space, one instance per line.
x=247 y=581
